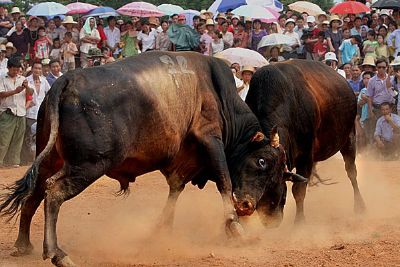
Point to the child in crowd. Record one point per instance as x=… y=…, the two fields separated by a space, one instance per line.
x=55 y=52
x=68 y=52
x=320 y=47
x=42 y=45
x=217 y=45
x=382 y=51
x=370 y=45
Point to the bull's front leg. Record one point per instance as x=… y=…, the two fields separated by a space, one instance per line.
x=215 y=151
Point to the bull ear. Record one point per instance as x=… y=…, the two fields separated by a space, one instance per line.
x=274 y=137
x=258 y=137
x=294 y=177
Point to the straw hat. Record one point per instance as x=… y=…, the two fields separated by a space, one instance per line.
x=10 y=45
x=154 y=21
x=209 y=22
x=15 y=10
x=248 y=68
x=221 y=16
x=235 y=17
x=2 y=47
x=336 y=18
x=203 y=17
x=369 y=61
x=205 y=12
x=396 y=61
x=247 y=19
x=325 y=22
x=69 y=19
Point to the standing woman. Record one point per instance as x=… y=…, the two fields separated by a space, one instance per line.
x=147 y=37
x=163 y=42
x=20 y=39
x=89 y=37
x=334 y=34
x=33 y=26
x=241 y=37
x=130 y=41
x=256 y=34
x=51 y=30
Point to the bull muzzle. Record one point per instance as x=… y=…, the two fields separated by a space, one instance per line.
x=243 y=207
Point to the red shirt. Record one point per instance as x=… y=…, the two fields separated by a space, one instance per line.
x=103 y=36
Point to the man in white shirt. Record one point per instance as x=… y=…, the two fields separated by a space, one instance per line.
x=113 y=35
x=14 y=90
x=246 y=73
x=40 y=88
x=290 y=51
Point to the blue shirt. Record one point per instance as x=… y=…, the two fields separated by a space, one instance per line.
x=396 y=36
x=348 y=50
x=384 y=129
x=51 y=78
x=355 y=85
x=364 y=108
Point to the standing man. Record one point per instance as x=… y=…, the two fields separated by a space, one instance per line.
x=394 y=41
x=40 y=88
x=55 y=71
x=355 y=82
x=378 y=91
x=113 y=35
x=14 y=90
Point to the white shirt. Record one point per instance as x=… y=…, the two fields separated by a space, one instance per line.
x=244 y=91
x=3 y=67
x=228 y=38
x=293 y=35
x=341 y=72
x=217 y=46
x=16 y=103
x=37 y=97
x=113 y=36
x=148 y=40
x=86 y=46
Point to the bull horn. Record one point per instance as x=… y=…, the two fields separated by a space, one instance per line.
x=295 y=178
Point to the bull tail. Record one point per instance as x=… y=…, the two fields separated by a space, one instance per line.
x=16 y=195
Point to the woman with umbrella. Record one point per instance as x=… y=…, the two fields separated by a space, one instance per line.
x=89 y=37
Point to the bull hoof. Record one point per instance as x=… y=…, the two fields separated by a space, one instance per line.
x=63 y=262
x=235 y=230
x=22 y=251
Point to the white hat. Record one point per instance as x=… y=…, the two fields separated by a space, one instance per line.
x=69 y=19
x=310 y=19
x=396 y=61
x=235 y=17
x=330 y=56
x=15 y=10
x=290 y=20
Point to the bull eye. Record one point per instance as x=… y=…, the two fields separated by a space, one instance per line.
x=262 y=163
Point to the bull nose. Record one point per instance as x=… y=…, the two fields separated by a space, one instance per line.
x=245 y=208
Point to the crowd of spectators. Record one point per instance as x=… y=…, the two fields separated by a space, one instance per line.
x=35 y=51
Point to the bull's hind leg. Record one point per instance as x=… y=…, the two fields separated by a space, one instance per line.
x=60 y=189
x=349 y=156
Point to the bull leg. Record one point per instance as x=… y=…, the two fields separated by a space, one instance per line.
x=58 y=191
x=167 y=217
x=28 y=209
x=215 y=151
x=299 y=189
x=349 y=156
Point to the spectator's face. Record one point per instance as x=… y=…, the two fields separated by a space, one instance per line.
x=368 y=68
x=347 y=69
x=310 y=24
x=164 y=26
x=57 y=22
x=246 y=76
x=135 y=19
x=51 y=24
x=15 y=16
x=346 y=34
x=300 y=23
x=56 y=44
x=13 y=71
x=41 y=23
x=380 y=39
x=240 y=28
x=37 y=70
x=366 y=78
x=34 y=23
x=324 y=27
x=335 y=24
x=45 y=70
x=385 y=109
x=145 y=28
x=175 y=19
x=196 y=22
x=42 y=32
x=91 y=23
x=210 y=28
x=18 y=26
x=381 y=68
x=275 y=52
x=225 y=27
x=282 y=21
x=257 y=25
x=355 y=72
x=201 y=29
x=235 y=21
x=289 y=13
x=55 y=68
x=23 y=20
x=392 y=27
x=364 y=20
x=290 y=27
x=375 y=17
x=357 y=23
x=383 y=31
x=112 y=23
x=182 y=21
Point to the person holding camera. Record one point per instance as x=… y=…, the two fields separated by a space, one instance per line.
x=14 y=92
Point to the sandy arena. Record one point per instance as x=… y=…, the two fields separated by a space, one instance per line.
x=99 y=229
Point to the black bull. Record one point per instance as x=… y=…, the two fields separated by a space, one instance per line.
x=314 y=110
x=174 y=112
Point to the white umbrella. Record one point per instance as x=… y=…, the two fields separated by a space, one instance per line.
x=276 y=39
x=254 y=12
x=170 y=9
x=308 y=7
x=243 y=56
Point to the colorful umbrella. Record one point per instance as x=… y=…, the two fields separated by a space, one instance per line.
x=254 y=12
x=102 y=12
x=170 y=9
x=308 y=7
x=349 y=7
x=4 y=2
x=224 y=5
x=386 y=4
x=276 y=39
x=47 y=9
x=274 y=13
x=79 y=8
x=273 y=4
x=243 y=56
x=140 y=9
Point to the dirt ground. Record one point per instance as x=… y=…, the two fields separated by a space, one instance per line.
x=99 y=229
